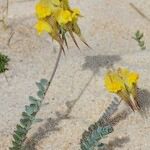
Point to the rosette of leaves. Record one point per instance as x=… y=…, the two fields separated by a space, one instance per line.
x=90 y=139
x=139 y=38
x=29 y=117
x=3 y=63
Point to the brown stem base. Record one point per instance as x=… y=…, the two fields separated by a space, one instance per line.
x=54 y=71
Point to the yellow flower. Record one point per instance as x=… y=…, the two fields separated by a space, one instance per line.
x=130 y=78
x=122 y=77
x=43 y=10
x=75 y=14
x=42 y=26
x=133 y=77
x=63 y=16
x=124 y=83
x=112 y=83
x=57 y=18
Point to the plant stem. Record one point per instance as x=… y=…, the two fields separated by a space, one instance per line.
x=139 y=12
x=54 y=71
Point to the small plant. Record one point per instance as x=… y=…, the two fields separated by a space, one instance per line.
x=138 y=37
x=124 y=83
x=29 y=117
x=90 y=139
x=3 y=63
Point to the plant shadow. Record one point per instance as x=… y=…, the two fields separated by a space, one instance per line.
x=144 y=101
x=52 y=124
x=94 y=63
x=116 y=143
x=120 y=116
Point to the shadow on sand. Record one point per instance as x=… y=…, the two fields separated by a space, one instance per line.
x=94 y=63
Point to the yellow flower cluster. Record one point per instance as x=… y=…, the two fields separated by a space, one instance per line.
x=57 y=18
x=124 y=83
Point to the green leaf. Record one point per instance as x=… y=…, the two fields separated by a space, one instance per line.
x=16 y=144
x=137 y=34
x=140 y=36
x=40 y=86
x=26 y=123
x=17 y=137
x=29 y=110
x=33 y=100
x=44 y=82
x=34 y=107
x=22 y=135
x=21 y=129
x=26 y=115
x=141 y=43
x=40 y=94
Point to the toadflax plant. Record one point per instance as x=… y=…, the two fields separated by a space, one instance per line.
x=29 y=117
x=57 y=18
x=124 y=83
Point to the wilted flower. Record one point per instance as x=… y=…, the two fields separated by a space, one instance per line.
x=57 y=18
x=124 y=83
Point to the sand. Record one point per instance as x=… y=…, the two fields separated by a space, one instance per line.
x=108 y=27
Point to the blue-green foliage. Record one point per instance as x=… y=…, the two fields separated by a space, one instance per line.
x=29 y=116
x=90 y=139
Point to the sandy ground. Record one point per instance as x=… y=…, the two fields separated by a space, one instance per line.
x=108 y=26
